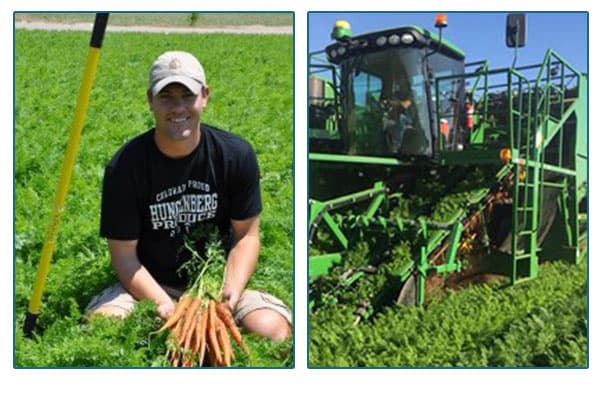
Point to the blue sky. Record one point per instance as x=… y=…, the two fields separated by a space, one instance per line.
x=479 y=35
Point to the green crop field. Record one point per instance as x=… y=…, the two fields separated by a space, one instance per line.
x=251 y=80
x=540 y=323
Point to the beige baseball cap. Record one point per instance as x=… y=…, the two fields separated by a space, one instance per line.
x=176 y=66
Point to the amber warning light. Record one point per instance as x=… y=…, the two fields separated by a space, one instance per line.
x=441 y=21
x=505 y=155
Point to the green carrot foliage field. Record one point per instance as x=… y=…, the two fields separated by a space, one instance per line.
x=539 y=323
x=251 y=80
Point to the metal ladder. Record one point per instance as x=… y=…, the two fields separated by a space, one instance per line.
x=527 y=162
x=537 y=122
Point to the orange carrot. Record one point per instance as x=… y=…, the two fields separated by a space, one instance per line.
x=225 y=315
x=212 y=332
x=189 y=319
x=183 y=303
x=177 y=331
x=202 y=346
x=224 y=342
x=198 y=331
x=190 y=333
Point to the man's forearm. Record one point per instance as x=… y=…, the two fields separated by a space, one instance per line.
x=241 y=264
x=138 y=281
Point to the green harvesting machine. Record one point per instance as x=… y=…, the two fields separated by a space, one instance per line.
x=425 y=170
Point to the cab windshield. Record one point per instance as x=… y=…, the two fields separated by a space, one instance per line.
x=385 y=98
x=386 y=104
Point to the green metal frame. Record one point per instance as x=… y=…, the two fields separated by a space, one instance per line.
x=322 y=211
x=533 y=124
x=537 y=114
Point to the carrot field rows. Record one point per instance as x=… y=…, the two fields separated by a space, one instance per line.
x=538 y=323
x=251 y=80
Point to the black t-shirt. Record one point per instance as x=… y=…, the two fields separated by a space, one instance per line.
x=157 y=200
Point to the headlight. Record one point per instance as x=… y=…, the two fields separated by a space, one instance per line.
x=407 y=39
x=333 y=53
x=394 y=39
x=381 y=41
x=341 y=51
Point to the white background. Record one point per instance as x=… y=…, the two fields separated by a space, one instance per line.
x=299 y=382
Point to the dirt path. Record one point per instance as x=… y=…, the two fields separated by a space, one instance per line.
x=81 y=26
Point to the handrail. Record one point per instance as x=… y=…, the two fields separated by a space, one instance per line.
x=513 y=78
x=551 y=53
x=480 y=71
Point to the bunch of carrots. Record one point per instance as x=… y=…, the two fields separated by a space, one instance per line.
x=201 y=327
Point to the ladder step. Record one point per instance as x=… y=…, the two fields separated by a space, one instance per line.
x=523 y=256
x=523 y=279
x=525 y=233
x=553 y=184
x=524 y=208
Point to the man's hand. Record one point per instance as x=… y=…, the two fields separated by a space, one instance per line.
x=230 y=299
x=135 y=277
x=166 y=309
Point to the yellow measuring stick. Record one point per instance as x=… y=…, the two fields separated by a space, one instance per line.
x=66 y=172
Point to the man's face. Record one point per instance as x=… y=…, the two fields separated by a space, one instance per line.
x=177 y=111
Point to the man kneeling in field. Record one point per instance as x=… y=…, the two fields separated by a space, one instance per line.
x=166 y=181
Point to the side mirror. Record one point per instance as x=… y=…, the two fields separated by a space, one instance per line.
x=515 y=30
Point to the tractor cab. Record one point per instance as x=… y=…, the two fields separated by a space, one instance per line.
x=380 y=100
